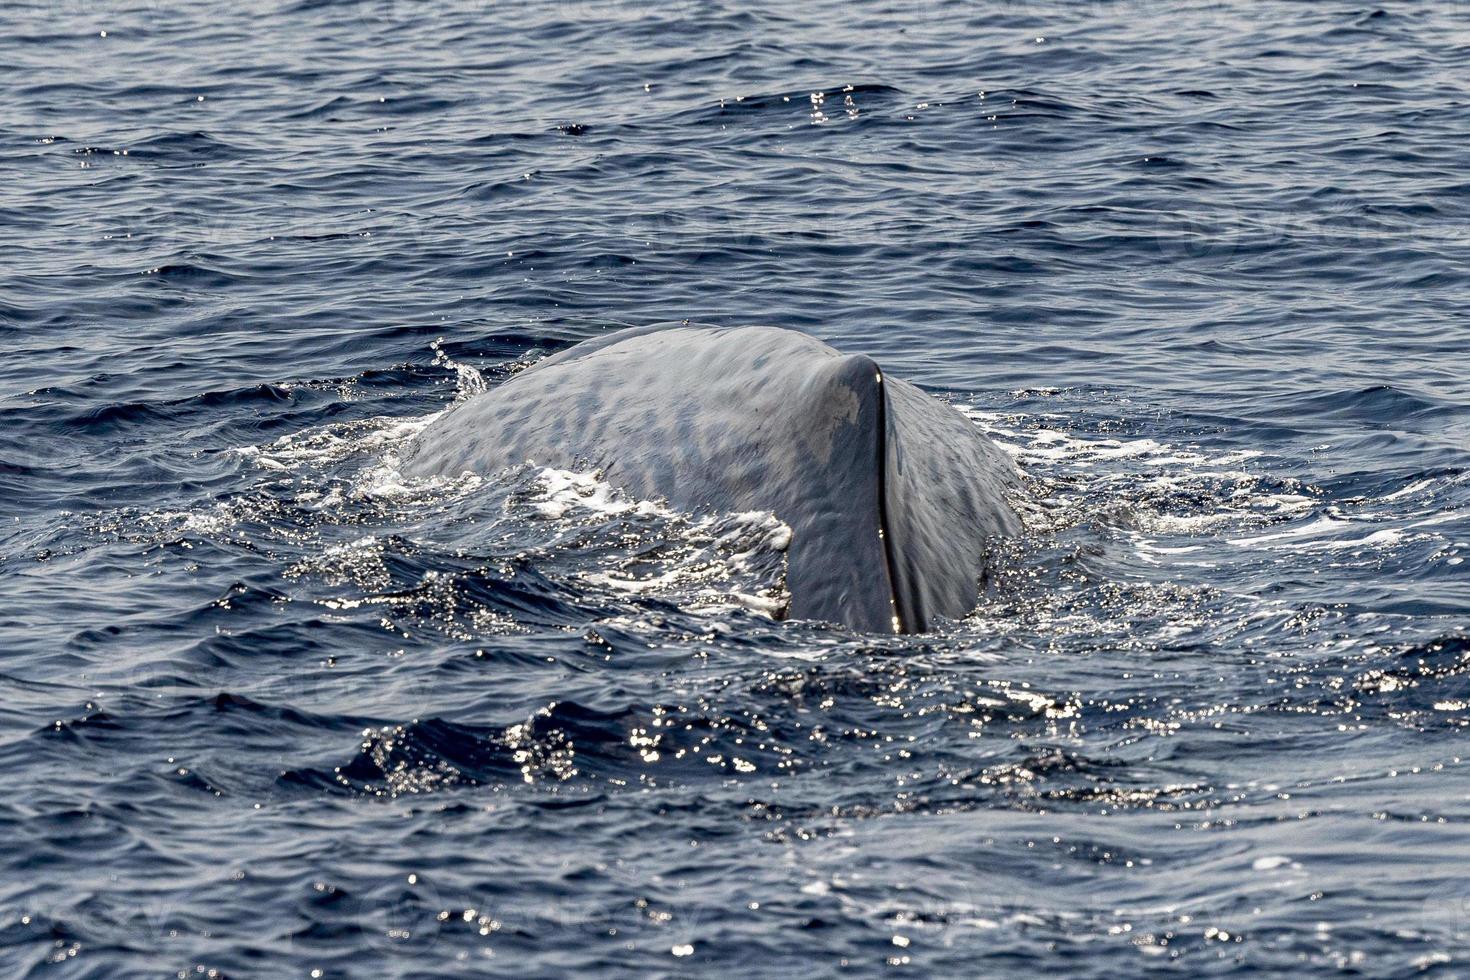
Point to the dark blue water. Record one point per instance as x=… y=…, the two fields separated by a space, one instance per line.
x=270 y=709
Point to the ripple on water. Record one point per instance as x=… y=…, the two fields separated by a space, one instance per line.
x=273 y=707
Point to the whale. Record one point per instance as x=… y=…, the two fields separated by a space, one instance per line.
x=897 y=504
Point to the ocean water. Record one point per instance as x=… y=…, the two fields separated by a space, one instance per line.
x=270 y=709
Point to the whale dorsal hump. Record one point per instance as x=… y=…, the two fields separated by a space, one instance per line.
x=891 y=496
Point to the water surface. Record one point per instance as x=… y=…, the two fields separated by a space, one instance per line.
x=271 y=709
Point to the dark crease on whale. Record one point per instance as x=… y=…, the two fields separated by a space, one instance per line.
x=895 y=500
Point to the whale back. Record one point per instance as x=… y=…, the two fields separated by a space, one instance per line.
x=946 y=486
x=891 y=496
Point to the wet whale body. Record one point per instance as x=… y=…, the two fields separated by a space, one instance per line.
x=894 y=499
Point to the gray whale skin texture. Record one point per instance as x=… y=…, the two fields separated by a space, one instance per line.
x=894 y=499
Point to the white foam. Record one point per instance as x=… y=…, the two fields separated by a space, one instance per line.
x=1322 y=525
x=1310 y=537
x=566 y=490
x=1408 y=491
x=717 y=551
